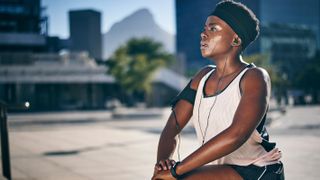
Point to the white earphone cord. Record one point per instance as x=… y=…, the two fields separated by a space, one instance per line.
x=203 y=133
x=178 y=129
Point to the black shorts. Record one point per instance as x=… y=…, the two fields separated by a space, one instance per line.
x=252 y=172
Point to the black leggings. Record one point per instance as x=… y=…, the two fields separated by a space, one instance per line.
x=252 y=172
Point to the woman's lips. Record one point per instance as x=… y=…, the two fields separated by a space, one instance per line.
x=203 y=45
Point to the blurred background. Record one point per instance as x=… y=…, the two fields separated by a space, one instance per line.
x=85 y=86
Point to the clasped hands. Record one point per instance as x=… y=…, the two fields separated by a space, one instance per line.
x=162 y=170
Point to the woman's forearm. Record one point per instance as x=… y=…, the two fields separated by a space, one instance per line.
x=166 y=146
x=176 y=122
x=217 y=147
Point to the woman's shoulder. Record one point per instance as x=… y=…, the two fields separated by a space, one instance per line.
x=199 y=75
x=256 y=73
x=255 y=76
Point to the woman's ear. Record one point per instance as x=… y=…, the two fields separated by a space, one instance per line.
x=236 y=41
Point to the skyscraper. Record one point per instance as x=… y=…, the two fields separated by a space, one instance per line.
x=85 y=32
x=306 y=12
x=22 y=26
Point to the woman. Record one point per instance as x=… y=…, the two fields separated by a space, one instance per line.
x=228 y=104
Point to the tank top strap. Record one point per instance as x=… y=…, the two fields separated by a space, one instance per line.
x=241 y=74
x=204 y=79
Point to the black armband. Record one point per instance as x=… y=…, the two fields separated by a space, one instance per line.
x=187 y=94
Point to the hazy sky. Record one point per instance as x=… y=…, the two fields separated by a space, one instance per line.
x=112 y=11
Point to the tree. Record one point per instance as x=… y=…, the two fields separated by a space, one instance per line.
x=134 y=64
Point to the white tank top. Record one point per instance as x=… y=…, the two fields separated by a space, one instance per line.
x=221 y=117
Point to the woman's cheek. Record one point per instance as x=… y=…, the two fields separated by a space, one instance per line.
x=213 y=43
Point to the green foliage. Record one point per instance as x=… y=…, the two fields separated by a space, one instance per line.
x=133 y=64
x=278 y=79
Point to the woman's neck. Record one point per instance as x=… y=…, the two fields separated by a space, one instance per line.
x=228 y=65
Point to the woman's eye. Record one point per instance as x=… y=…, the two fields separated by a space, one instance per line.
x=213 y=29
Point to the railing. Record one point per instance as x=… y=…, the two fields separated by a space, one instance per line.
x=5 y=150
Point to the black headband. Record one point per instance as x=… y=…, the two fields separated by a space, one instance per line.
x=239 y=20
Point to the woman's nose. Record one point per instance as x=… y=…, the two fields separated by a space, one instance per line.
x=203 y=35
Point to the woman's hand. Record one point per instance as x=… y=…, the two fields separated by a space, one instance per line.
x=163 y=175
x=163 y=165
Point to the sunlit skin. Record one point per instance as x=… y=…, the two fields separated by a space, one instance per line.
x=217 y=44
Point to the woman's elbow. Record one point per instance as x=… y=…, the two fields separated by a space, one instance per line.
x=239 y=136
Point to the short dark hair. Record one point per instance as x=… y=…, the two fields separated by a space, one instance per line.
x=240 y=18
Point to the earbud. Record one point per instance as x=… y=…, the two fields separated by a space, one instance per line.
x=235 y=42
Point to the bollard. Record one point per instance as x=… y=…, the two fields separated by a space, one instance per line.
x=5 y=153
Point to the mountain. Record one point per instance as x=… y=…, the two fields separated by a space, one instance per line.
x=139 y=24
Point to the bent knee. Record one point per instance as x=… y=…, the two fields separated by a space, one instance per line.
x=213 y=172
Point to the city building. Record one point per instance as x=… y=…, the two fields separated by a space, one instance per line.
x=85 y=32
x=35 y=68
x=306 y=12
x=56 y=82
x=23 y=27
x=290 y=47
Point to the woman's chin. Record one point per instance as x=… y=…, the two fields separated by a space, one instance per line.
x=205 y=54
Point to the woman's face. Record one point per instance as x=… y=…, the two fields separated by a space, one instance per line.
x=216 y=38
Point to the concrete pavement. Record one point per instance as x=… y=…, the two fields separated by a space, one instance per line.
x=55 y=146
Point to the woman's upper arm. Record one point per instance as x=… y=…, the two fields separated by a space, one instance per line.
x=183 y=108
x=256 y=89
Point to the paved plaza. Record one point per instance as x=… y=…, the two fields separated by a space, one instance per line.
x=93 y=145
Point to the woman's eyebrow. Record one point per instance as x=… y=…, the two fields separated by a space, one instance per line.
x=212 y=24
